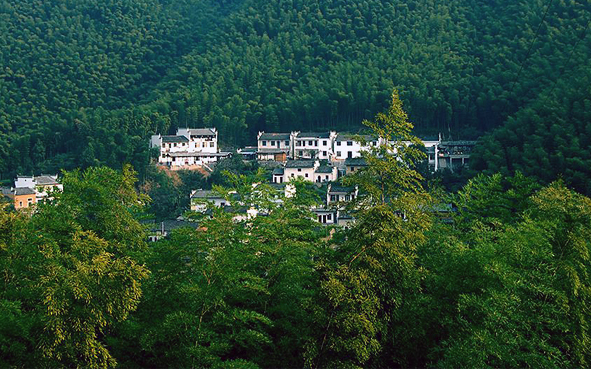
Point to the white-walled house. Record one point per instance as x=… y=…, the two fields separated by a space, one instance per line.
x=300 y=169
x=314 y=145
x=326 y=216
x=189 y=147
x=309 y=170
x=326 y=173
x=200 y=199
x=347 y=147
x=200 y=139
x=337 y=196
x=274 y=146
x=278 y=175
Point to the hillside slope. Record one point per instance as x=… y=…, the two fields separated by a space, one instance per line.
x=101 y=76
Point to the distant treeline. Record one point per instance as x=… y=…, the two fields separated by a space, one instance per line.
x=85 y=82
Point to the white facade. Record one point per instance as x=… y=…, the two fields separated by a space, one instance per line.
x=346 y=147
x=278 y=175
x=24 y=181
x=326 y=216
x=300 y=169
x=189 y=147
x=281 y=141
x=326 y=174
x=200 y=139
x=314 y=145
x=337 y=196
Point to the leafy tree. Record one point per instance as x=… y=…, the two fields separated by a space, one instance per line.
x=371 y=284
x=69 y=271
x=510 y=291
x=236 y=291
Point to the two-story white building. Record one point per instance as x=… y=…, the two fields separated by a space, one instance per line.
x=189 y=147
x=200 y=139
x=314 y=145
x=346 y=146
x=274 y=146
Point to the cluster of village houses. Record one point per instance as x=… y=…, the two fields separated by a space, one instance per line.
x=321 y=158
x=316 y=157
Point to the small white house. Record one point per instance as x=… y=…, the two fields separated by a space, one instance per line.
x=325 y=173
x=41 y=185
x=278 y=175
x=300 y=169
x=326 y=216
x=200 y=199
x=338 y=196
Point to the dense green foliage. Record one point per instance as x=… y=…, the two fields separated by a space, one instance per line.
x=70 y=272
x=504 y=281
x=86 y=82
x=548 y=139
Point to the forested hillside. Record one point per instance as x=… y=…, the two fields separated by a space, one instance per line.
x=85 y=82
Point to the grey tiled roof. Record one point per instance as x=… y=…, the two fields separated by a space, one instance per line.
x=24 y=191
x=340 y=189
x=314 y=135
x=173 y=139
x=206 y=194
x=44 y=180
x=324 y=169
x=300 y=164
x=360 y=162
x=351 y=137
x=272 y=151
x=201 y=132
x=275 y=136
